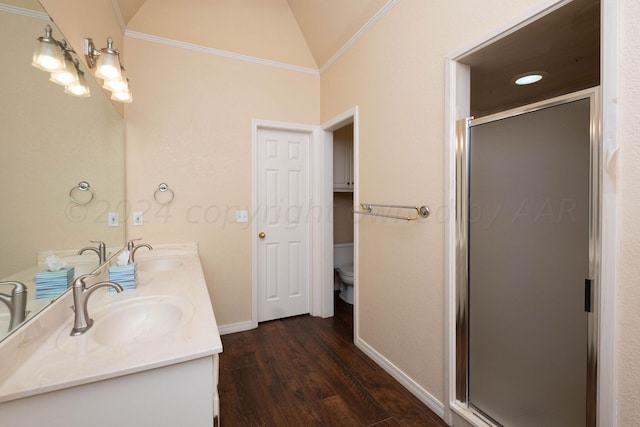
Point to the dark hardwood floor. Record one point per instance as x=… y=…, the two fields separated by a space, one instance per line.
x=306 y=371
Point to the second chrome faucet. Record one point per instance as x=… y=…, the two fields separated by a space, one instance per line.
x=81 y=293
x=132 y=248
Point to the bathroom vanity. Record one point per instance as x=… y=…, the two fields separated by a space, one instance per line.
x=150 y=358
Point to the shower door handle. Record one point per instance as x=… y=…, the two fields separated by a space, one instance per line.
x=587 y=294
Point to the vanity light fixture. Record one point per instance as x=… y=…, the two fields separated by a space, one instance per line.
x=55 y=56
x=107 y=64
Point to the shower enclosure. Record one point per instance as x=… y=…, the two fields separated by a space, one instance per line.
x=527 y=226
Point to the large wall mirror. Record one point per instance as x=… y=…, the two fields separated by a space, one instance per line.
x=50 y=142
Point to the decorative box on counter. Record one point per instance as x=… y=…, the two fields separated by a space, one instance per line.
x=124 y=275
x=50 y=284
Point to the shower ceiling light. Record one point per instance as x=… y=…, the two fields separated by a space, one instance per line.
x=528 y=78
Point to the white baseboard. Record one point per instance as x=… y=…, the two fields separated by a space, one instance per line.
x=425 y=397
x=235 y=327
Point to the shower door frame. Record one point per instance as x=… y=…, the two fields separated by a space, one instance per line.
x=461 y=250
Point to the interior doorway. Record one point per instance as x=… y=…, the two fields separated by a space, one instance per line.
x=341 y=188
x=603 y=18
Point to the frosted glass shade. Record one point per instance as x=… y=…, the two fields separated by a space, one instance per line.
x=48 y=56
x=115 y=85
x=123 y=96
x=67 y=76
x=79 y=88
x=108 y=66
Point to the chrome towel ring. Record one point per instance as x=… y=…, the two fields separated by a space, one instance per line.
x=82 y=186
x=163 y=188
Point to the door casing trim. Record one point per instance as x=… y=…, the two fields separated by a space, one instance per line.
x=457 y=99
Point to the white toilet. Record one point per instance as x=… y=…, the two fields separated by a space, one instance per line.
x=345 y=273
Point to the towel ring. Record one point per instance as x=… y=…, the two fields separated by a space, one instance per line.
x=162 y=188
x=82 y=186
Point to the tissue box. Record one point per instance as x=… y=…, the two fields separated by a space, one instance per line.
x=50 y=284
x=125 y=275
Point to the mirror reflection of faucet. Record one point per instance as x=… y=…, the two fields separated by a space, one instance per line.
x=132 y=248
x=17 y=303
x=81 y=292
x=101 y=250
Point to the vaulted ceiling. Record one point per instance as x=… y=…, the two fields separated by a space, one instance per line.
x=565 y=44
x=327 y=25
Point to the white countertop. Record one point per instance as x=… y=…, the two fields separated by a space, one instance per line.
x=42 y=357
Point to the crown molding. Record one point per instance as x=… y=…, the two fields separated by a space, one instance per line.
x=24 y=12
x=218 y=52
x=366 y=27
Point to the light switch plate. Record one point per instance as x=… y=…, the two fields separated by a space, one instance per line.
x=138 y=218
x=242 y=216
x=114 y=219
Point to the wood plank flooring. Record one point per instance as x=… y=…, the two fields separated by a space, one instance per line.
x=306 y=371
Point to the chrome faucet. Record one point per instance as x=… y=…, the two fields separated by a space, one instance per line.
x=17 y=303
x=132 y=248
x=82 y=322
x=101 y=250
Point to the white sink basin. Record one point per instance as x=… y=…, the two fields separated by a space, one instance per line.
x=140 y=320
x=155 y=265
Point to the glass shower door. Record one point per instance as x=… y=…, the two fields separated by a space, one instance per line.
x=528 y=257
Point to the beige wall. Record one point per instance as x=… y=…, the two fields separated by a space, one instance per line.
x=395 y=74
x=190 y=126
x=628 y=306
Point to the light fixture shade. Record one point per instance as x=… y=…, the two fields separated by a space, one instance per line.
x=48 y=55
x=67 y=76
x=116 y=85
x=108 y=66
x=80 y=88
x=123 y=96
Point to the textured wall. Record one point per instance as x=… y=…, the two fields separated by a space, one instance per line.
x=628 y=306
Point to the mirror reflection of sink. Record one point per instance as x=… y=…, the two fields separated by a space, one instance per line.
x=155 y=265
x=140 y=319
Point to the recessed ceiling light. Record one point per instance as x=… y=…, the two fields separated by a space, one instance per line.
x=528 y=78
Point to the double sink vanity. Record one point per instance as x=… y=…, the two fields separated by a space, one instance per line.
x=150 y=357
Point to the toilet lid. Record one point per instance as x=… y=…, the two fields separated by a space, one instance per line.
x=347 y=270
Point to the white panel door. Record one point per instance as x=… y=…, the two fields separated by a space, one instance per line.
x=283 y=223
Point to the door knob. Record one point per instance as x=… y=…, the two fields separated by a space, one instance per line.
x=262 y=235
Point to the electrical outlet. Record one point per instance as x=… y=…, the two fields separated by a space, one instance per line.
x=138 y=218
x=114 y=219
x=242 y=216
